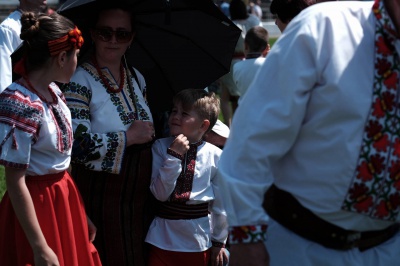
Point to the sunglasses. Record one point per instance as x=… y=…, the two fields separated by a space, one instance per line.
x=105 y=35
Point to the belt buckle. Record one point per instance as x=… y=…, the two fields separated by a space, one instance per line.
x=353 y=240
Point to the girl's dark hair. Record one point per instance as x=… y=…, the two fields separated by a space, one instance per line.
x=286 y=10
x=238 y=10
x=37 y=29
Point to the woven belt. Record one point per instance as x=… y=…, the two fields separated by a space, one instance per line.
x=181 y=211
x=292 y=215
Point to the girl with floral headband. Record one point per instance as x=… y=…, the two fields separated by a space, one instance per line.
x=42 y=217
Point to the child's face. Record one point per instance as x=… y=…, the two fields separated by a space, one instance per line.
x=186 y=122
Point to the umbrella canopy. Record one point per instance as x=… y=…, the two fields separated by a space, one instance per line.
x=178 y=44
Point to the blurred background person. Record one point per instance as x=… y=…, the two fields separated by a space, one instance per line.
x=255 y=8
x=10 y=29
x=229 y=92
x=256 y=48
x=224 y=6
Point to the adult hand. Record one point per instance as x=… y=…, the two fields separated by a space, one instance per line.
x=45 y=257
x=92 y=229
x=254 y=254
x=140 y=132
x=180 y=144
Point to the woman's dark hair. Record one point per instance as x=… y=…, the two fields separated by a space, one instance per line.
x=286 y=10
x=37 y=29
x=238 y=10
x=109 y=6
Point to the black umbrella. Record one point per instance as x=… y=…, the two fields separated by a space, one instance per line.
x=179 y=44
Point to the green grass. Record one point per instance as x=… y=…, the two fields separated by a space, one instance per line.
x=272 y=41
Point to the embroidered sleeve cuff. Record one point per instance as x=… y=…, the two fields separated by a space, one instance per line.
x=14 y=165
x=175 y=154
x=218 y=244
x=247 y=234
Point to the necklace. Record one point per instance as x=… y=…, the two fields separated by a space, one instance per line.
x=107 y=84
x=31 y=88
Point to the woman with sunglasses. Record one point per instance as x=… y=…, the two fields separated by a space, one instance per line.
x=42 y=215
x=113 y=130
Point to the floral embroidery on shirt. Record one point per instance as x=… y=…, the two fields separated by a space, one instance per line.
x=375 y=190
x=247 y=234
x=113 y=142
x=86 y=148
x=119 y=99
x=64 y=130
x=78 y=98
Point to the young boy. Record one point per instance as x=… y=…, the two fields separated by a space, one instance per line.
x=190 y=217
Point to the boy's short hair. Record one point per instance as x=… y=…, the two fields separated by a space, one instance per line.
x=206 y=104
x=257 y=39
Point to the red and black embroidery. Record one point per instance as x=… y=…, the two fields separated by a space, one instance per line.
x=184 y=182
x=64 y=130
x=375 y=189
x=20 y=111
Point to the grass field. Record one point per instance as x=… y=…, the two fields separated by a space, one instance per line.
x=272 y=41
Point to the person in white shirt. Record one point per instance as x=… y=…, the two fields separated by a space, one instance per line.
x=10 y=29
x=255 y=8
x=318 y=130
x=256 y=48
x=229 y=93
x=190 y=226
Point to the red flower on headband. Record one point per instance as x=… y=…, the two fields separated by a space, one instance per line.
x=67 y=42
x=75 y=37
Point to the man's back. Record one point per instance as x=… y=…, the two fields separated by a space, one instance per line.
x=245 y=71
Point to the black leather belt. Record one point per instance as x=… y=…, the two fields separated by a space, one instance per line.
x=292 y=215
x=181 y=211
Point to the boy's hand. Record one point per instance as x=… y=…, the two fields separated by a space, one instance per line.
x=218 y=257
x=180 y=144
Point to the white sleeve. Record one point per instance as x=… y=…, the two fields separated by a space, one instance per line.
x=219 y=223
x=6 y=49
x=165 y=171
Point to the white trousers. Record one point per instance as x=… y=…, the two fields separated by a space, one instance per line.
x=286 y=248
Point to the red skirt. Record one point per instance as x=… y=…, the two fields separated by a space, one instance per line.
x=62 y=218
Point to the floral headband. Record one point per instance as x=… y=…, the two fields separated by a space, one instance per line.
x=72 y=40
